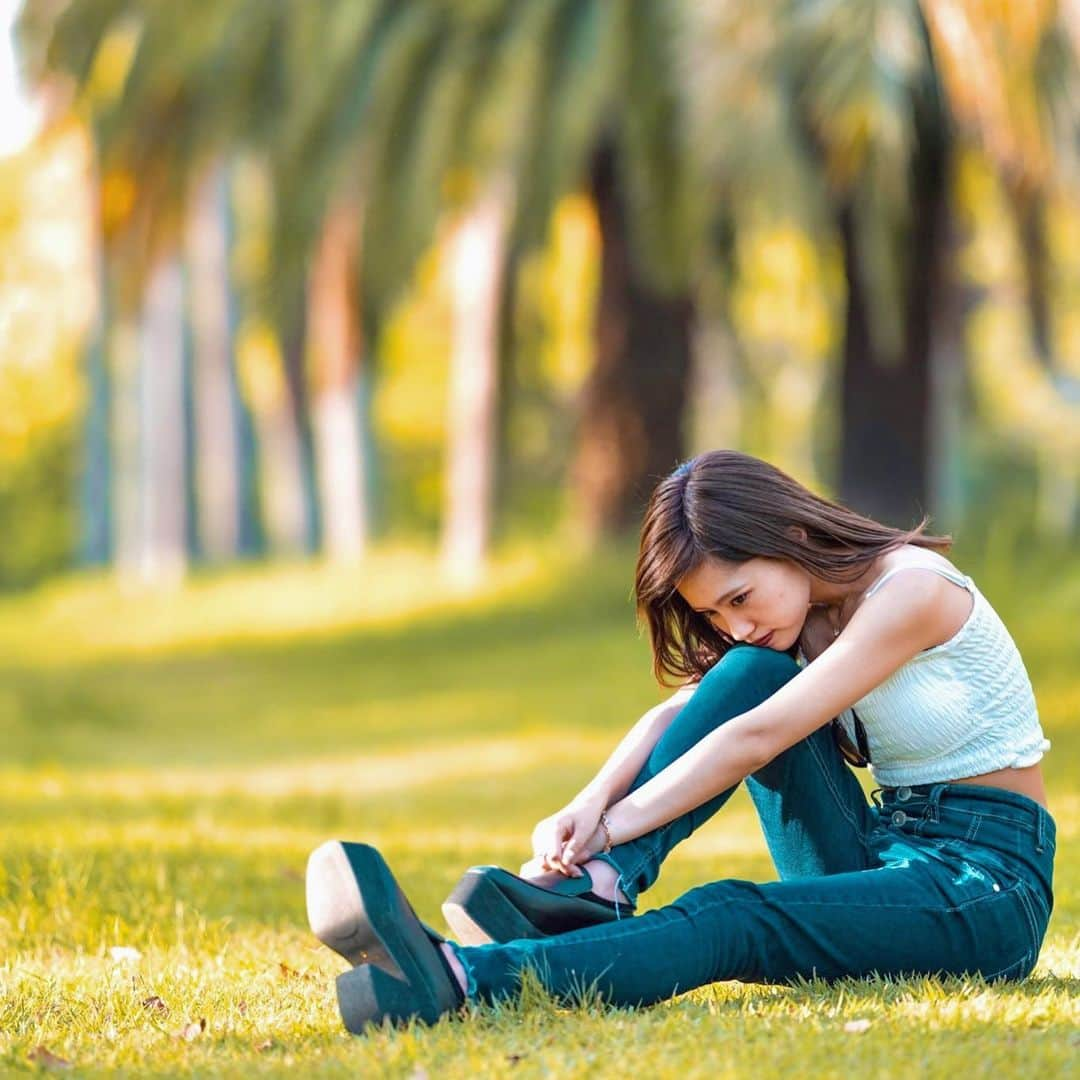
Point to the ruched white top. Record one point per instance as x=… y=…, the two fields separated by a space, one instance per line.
x=959 y=709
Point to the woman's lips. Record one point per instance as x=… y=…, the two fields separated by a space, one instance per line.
x=762 y=642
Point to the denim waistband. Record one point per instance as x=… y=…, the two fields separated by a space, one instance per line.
x=931 y=800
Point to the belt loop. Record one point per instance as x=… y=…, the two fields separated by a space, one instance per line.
x=875 y=796
x=1040 y=831
x=933 y=802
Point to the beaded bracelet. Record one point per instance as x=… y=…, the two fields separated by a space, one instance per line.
x=605 y=825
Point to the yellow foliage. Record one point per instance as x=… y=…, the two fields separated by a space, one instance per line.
x=989 y=52
x=1017 y=393
x=252 y=202
x=259 y=366
x=782 y=316
x=568 y=279
x=112 y=63
x=411 y=399
x=117 y=199
x=778 y=300
x=32 y=401
x=46 y=285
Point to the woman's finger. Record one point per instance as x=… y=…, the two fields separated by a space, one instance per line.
x=556 y=863
x=564 y=864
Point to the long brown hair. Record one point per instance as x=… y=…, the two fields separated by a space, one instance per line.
x=735 y=507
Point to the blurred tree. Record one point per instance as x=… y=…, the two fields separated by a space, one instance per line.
x=478 y=262
x=886 y=91
x=551 y=94
x=125 y=69
x=161 y=555
x=45 y=307
x=224 y=465
x=96 y=478
x=849 y=113
x=335 y=344
x=600 y=109
x=551 y=97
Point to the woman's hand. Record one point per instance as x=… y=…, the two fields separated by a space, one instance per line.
x=562 y=841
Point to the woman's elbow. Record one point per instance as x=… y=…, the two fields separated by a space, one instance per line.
x=762 y=743
x=759 y=752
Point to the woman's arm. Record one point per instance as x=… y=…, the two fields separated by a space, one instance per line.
x=885 y=632
x=625 y=762
x=557 y=839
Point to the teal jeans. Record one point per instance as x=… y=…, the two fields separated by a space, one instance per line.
x=936 y=879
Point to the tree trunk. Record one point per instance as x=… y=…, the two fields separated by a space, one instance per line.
x=1029 y=208
x=631 y=431
x=293 y=340
x=217 y=445
x=192 y=512
x=122 y=349
x=95 y=495
x=162 y=521
x=950 y=392
x=478 y=258
x=282 y=488
x=252 y=535
x=885 y=458
x=336 y=344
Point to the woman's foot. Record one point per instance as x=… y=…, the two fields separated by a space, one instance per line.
x=492 y=904
x=454 y=964
x=356 y=907
x=605 y=878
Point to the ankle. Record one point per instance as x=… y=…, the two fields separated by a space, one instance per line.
x=456 y=967
x=605 y=879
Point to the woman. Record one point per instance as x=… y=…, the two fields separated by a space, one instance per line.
x=804 y=633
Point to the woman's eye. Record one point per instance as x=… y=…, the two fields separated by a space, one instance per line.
x=738 y=601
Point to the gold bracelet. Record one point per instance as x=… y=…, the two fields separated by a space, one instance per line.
x=604 y=824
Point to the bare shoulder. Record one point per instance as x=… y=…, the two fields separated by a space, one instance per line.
x=935 y=607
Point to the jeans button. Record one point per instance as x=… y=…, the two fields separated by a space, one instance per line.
x=899 y=817
x=903 y=794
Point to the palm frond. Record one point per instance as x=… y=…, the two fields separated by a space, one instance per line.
x=667 y=211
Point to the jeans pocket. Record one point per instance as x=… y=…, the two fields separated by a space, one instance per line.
x=1019 y=969
x=1038 y=918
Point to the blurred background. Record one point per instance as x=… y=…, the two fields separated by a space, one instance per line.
x=341 y=344
x=288 y=280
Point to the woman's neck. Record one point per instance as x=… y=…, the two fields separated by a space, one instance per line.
x=844 y=595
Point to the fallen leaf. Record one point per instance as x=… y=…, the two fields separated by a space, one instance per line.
x=193 y=1030
x=291 y=973
x=155 y=1004
x=241 y=1008
x=43 y=1056
x=124 y=954
x=513 y=1059
x=857 y=1027
x=266 y=1044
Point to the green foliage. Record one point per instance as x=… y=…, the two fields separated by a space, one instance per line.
x=43 y=310
x=37 y=506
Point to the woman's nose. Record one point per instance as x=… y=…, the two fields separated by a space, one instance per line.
x=740 y=631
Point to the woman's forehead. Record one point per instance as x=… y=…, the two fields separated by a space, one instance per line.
x=714 y=575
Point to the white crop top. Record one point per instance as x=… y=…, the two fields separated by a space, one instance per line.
x=959 y=709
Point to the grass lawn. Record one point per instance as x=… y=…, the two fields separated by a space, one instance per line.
x=169 y=761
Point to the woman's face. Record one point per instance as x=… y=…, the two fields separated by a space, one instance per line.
x=761 y=601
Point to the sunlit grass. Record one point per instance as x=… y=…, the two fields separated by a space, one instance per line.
x=170 y=761
x=99 y=616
